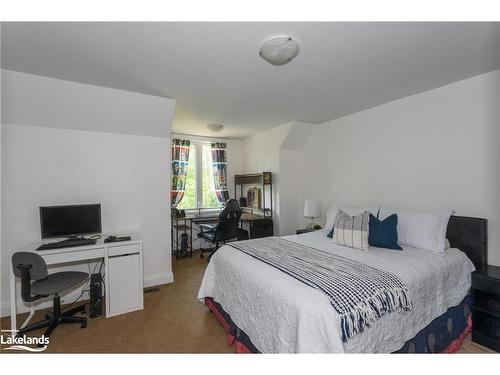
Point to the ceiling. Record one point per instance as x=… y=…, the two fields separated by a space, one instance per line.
x=215 y=73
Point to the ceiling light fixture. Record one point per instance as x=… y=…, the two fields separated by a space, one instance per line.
x=215 y=127
x=279 y=50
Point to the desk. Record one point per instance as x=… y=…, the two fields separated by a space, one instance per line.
x=185 y=223
x=123 y=273
x=202 y=219
x=250 y=218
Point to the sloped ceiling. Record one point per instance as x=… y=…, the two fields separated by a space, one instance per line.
x=214 y=71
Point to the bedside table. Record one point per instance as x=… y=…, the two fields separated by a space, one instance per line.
x=486 y=310
x=302 y=231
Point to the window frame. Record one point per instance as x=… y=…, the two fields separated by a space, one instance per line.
x=198 y=188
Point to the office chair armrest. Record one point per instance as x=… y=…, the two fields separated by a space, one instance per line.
x=26 y=283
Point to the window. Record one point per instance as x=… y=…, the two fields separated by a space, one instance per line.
x=189 y=199
x=208 y=198
x=199 y=181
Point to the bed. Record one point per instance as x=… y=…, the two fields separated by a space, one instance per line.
x=265 y=310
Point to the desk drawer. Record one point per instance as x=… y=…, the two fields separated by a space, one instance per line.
x=72 y=256
x=123 y=249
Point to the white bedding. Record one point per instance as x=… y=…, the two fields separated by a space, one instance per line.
x=282 y=315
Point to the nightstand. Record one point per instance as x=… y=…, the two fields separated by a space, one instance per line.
x=486 y=310
x=302 y=231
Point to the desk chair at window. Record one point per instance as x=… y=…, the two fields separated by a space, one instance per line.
x=226 y=229
x=32 y=270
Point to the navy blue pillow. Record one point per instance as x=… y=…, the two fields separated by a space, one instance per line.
x=331 y=233
x=384 y=233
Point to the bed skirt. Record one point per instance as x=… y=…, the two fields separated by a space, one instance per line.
x=445 y=334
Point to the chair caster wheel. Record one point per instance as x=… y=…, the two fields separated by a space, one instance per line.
x=84 y=324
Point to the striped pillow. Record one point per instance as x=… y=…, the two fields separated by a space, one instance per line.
x=351 y=231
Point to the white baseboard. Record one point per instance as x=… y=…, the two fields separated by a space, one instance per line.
x=149 y=280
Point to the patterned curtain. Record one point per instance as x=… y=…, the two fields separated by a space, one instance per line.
x=180 y=162
x=219 y=165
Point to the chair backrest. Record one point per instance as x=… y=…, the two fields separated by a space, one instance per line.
x=229 y=219
x=38 y=270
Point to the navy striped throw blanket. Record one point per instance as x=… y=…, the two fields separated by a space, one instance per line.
x=361 y=294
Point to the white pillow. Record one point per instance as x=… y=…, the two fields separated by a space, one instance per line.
x=352 y=231
x=333 y=210
x=420 y=229
x=447 y=244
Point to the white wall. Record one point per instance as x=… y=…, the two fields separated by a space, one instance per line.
x=438 y=149
x=262 y=154
x=278 y=150
x=128 y=174
x=292 y=184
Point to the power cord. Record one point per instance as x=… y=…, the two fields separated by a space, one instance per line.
x=85 y=287
x=103 y=283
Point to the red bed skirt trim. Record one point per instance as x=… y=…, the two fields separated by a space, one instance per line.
x=457 y=343
x=241 y=348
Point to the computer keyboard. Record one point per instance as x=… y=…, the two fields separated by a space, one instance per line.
x=67 y=243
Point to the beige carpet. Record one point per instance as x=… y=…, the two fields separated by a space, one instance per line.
x=172 y=321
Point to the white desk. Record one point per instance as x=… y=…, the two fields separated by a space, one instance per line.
x=123 y=273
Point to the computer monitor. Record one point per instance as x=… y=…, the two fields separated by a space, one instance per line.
x=70 y=221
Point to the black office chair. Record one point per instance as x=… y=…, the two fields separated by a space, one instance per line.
x=226 y=228
x=32 y=270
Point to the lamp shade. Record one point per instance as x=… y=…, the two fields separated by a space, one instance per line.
x=312 y=208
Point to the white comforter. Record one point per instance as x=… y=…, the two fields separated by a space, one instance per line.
x=282 y=315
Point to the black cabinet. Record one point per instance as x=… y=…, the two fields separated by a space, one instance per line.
x=260 y=228
x=486 y=311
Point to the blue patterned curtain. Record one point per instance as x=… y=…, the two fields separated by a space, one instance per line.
x=219 y=165
x=180 y=162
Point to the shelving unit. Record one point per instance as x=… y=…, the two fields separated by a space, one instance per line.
x=180 y=225
x=263 y=180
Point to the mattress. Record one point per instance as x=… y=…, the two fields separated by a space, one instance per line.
x=282 y=315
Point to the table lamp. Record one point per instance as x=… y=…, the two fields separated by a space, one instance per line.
x=312 y=209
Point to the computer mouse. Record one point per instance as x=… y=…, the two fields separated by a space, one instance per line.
x=110 y=239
